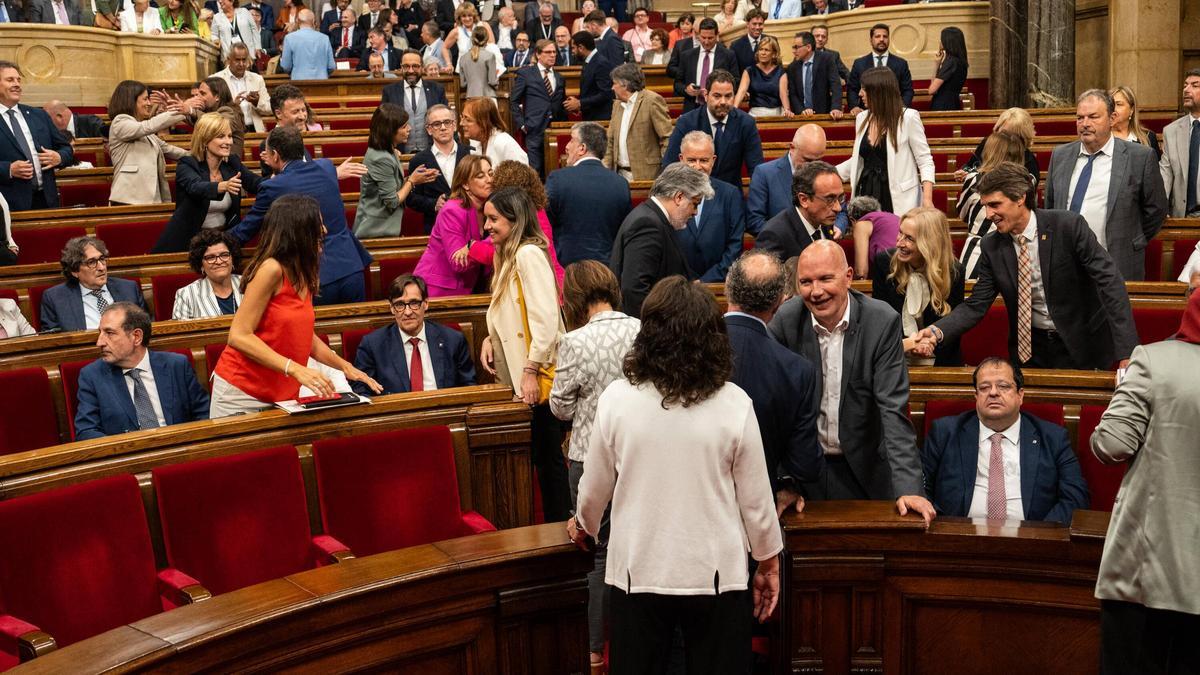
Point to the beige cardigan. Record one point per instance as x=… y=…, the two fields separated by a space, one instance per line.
x=505 y=328
x=139 y=172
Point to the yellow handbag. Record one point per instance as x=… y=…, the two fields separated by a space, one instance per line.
x=545 y=374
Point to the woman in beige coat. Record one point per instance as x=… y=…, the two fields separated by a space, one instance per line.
x=524 y=325
x=139 y=171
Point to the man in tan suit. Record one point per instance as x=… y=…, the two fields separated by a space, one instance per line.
x=1149 y=580
x=640 y=127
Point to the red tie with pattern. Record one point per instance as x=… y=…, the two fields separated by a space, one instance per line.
x=416 y=372
x=997 y=501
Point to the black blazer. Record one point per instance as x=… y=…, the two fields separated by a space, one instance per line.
x=393 y=59
x=784 y=235
x=949 y=352
x=843 y=72
x=644 y=253
x=864 y=63
x=826 y=85
x=595 y=88
x=424 y=198
x=743 y=53
x=434 y=94
x=677 y=53
x=1085 y=293
x=723 y=59
x=534 y=30
x=613 y=48
x=809 y=9
x=358 y=40
x=89 y=126
x=193 y=193
x=784 y=389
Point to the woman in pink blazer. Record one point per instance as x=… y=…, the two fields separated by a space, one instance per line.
x=511 y=173
x=445 y=265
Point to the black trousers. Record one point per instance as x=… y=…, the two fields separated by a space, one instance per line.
x=716 y=632
x=1140 y=640
x=1049 y=351
x=546 y=454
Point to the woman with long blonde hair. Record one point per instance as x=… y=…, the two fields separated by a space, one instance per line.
x=1126 y=125
x=922 y=281
x=998 y=148
x=1015 y=121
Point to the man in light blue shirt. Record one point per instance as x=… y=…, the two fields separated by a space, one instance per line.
x=307 y=54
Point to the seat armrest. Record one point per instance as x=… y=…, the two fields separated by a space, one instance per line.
x=24 y=639
x=476 y=523
x=179 y=588
x=327 y=550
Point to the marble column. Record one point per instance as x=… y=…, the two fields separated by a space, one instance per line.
x=1052 y=53
x=1009 y=79
x=1144 y=49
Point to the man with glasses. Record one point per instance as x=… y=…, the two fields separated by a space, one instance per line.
x=536 y=100
x=417 y=96
x=814 y=87
x=414 y=354
x=78 y=303
x=442 y=156
x=817 y=194
x=998 y=463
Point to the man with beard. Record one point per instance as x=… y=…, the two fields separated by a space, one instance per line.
x=417 y=97
x=734 y=135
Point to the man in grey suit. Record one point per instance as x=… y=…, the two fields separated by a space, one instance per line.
x=855 y=342
x=62 y=12
x=1115 y=185
x=1180 y=162
x=1149 y=579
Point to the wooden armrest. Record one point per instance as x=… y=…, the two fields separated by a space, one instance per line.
x=34 y=644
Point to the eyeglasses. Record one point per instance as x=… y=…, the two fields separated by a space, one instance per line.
x=92 y=263
x=440 y=124
x=1000 y=387
x=829 y=200
x=413 y=305
x=215 y=258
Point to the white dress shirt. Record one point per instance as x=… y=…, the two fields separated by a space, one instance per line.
x=429 y=382
x=1010 y=449
x=1040 y=310
x=626 y=122
x=446 y=161
x=147 y=377
x=814 y=233
x=504 y=37
x=875 y=63
x=1095 y=201
x=91 y=313
x=831 y=389
x=37 y=166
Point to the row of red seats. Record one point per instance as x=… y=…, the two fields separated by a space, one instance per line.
x=227 y=523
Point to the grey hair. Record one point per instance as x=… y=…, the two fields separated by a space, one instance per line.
x=630 y=76
x=72 y=254
x=759 y=289
x=697 y=137
x=680 y=178
x=1100 y=94
x=861 y=206
x=593 y=137
x=441 y=106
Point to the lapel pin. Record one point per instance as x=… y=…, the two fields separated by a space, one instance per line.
x=1043 y=237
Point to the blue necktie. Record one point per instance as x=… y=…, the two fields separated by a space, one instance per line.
x=1193 y=171
x=778 y=6
x=1081 y=185
x=3 y=13
x=141 y=401
x=808 y=102
x=717 y=133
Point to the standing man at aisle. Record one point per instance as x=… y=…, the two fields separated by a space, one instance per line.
x=586 y=202
x=1180 y=163
x=879 y=57
x=32 y=148
x=416 y=96
x=307 y=54
x=734 y=134
x=536 y=100
x=697 y=65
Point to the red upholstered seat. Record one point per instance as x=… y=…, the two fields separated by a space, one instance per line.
x=125 y=239
x=412 y=224
x=350 y=341
x=69 y=374
x=338 y=149
x=240 y=520
x=35 y=302
x=164 y=288
x=84 y=194
x=212 y=353
x=1155 y=324
x=1103 y=481
x=390 y=490
x=78 y=560
x=938 y=408
x=1183 y=251
x=45 y=244
x=25 y=396
x=1153 y=257
x=988 y=338
x=390 y=268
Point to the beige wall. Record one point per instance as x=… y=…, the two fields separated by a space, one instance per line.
x=83 y=65
x=1091 y=44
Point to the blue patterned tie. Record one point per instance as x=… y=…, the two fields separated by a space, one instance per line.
x=1081 y=185
x=141 y=401
x=808 y=85
x=1193 y=171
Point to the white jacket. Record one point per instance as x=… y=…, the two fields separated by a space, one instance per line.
x=909 y=163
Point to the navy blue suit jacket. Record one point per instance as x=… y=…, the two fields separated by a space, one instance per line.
x=328 y=21
x=1052 y=485
x=381 y=355
x=343 y=254
x=62 y=305
x=743 y=53
x=595 y=87
x=771 y=194
x=864 y=63
x=712 y=244
x=531 y=107
x=784 y=389
x=105 y=407
x=685 y=73
x=510 y=58
x=613 y=48
x=586 y=205
x=17 y=192
x=739 y=144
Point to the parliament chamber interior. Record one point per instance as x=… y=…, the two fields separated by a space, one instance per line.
x=409 y=535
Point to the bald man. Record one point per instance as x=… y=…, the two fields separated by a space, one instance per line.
x=307 y=54
x=771 y=184
x=80 y=126
x=854 y=341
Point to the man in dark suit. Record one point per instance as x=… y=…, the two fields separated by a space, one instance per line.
x=645 y=251
x=417 y=96
x=443 y=155
x=31 y=147
x=346 y=38
x=821 y=35
x=771 y=188
x=562 y=44
x=733 y=131
x=682 y=46
x=607 y=41
x=533 y=8
x=823 y=7
x=782 y=385
x=378 y=43
x=333 y=18
x=521 y=56
x=130 y=388
x=816 y=190
x=543 y=25
x=712 y=239
x=585 y=202
x=595 y=80
x=1127 y=210
x=745 y=47
x=80 y=126
x=342 y=256
x=413 y=354
x=65 y=12
x=879 y=57
x=370 y=16
x=1067 y=303
x=855 y=343
x=998 y=463
x=697 y=65
x=814 y=87
x=536 y=100
x=77 y=303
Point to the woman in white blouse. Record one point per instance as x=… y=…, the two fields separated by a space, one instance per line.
x=142 y=18
x=481 y=124
x=677 y=450
x=234 y=24
x=214 y=255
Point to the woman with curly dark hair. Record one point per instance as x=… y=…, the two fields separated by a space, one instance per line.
x=691 y=492
x=214 y=255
